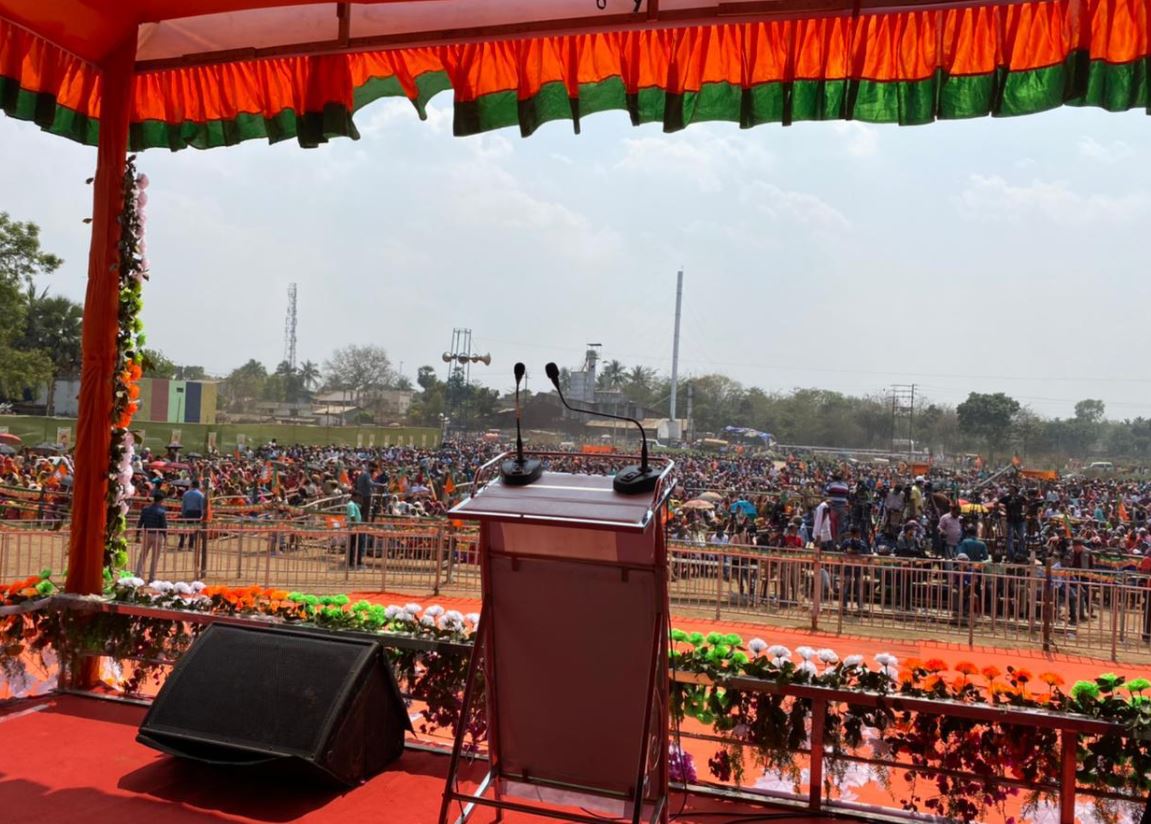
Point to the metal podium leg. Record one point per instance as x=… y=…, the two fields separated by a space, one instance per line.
x=461 y=727
x=656 y=647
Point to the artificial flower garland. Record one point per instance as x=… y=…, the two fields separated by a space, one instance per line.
x=130 y=343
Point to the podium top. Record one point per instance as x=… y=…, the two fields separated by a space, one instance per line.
x=564 y=499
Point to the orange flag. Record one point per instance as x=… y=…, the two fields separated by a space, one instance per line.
x=1123 y=516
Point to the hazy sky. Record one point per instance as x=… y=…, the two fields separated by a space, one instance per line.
x=978 y=255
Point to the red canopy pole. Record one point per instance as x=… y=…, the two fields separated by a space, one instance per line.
x=101 y=323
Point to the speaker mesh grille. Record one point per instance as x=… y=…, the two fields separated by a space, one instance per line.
x=299 y=681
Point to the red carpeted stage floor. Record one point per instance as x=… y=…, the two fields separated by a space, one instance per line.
x=68 y=758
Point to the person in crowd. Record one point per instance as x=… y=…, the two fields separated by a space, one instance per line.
x=151 y=530
x=854 y=549
x=355 y=537
x=1014 y=507
x=823 y=535
x=1078 y=564
x=951 y=531
x=192 y=505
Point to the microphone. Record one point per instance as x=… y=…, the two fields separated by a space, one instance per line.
x=630 y=480
x=520 y=471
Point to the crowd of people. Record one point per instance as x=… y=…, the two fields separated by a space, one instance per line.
x=805 y=500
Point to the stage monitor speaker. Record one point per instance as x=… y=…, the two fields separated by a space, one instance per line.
x=282 y=700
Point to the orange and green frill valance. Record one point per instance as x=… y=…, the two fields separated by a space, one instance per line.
x=909 y=67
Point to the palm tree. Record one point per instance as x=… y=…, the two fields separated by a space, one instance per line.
x=309 y=374
x=612 y=376
x=640 y=377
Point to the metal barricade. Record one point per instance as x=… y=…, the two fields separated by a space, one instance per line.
x=1096 y=612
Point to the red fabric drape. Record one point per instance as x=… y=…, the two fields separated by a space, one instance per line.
x=101 y=324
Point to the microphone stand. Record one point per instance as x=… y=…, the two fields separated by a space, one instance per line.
x=520 y=471
x=631 y=480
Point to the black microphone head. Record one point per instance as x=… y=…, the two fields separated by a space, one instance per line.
x=519 y=370
x=553 y=374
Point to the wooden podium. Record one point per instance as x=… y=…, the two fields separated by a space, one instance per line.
x=573 y=648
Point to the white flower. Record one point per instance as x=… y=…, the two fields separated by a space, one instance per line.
x=142 y=182
x=392 y=611
x=413 y=608
x=435 y=610
x=161 y=586
x=198 y=587
x=428 y=621
x=891 y=672
x=473 y=618
x=828 y=656
x=183 y=588
x=887 y=659
x=756 y=645
x=779 y=651
x=126 y=581
x=452 y=623
x=853 y=661
x=804 y=652
x=454 y=616
x=809 y=668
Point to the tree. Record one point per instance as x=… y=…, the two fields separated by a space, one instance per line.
x=21 y=260
x=1090 y=411
x=156 y=365
x=190 y=373
x=309 y=374
x=426 y=378
x=245 y=383
x=988 y=416
x=53 y=327
x=429 y=404
x=360 y=369
x=612 y=376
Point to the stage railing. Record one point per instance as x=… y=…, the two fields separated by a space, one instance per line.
x=1103 y=612
x=814 y=791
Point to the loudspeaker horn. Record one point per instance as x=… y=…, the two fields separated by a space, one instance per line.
x=486 y=360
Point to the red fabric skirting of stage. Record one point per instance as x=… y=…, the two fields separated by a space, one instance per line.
x=68 y=759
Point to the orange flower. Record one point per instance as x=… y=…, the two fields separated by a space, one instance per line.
x=999 y=688
x=278 y=594
x=1052 y=679
x=913 y=664
x=966 y=668
x=135 y=371
x=991 y=672
x=1023 y=676
x=133 y=391
x=935 y=665
x=931 y=682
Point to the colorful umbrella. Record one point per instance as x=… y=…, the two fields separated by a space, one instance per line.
x=711 y=496
x=698 y=503
x=747 y=507
x=10 y=439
